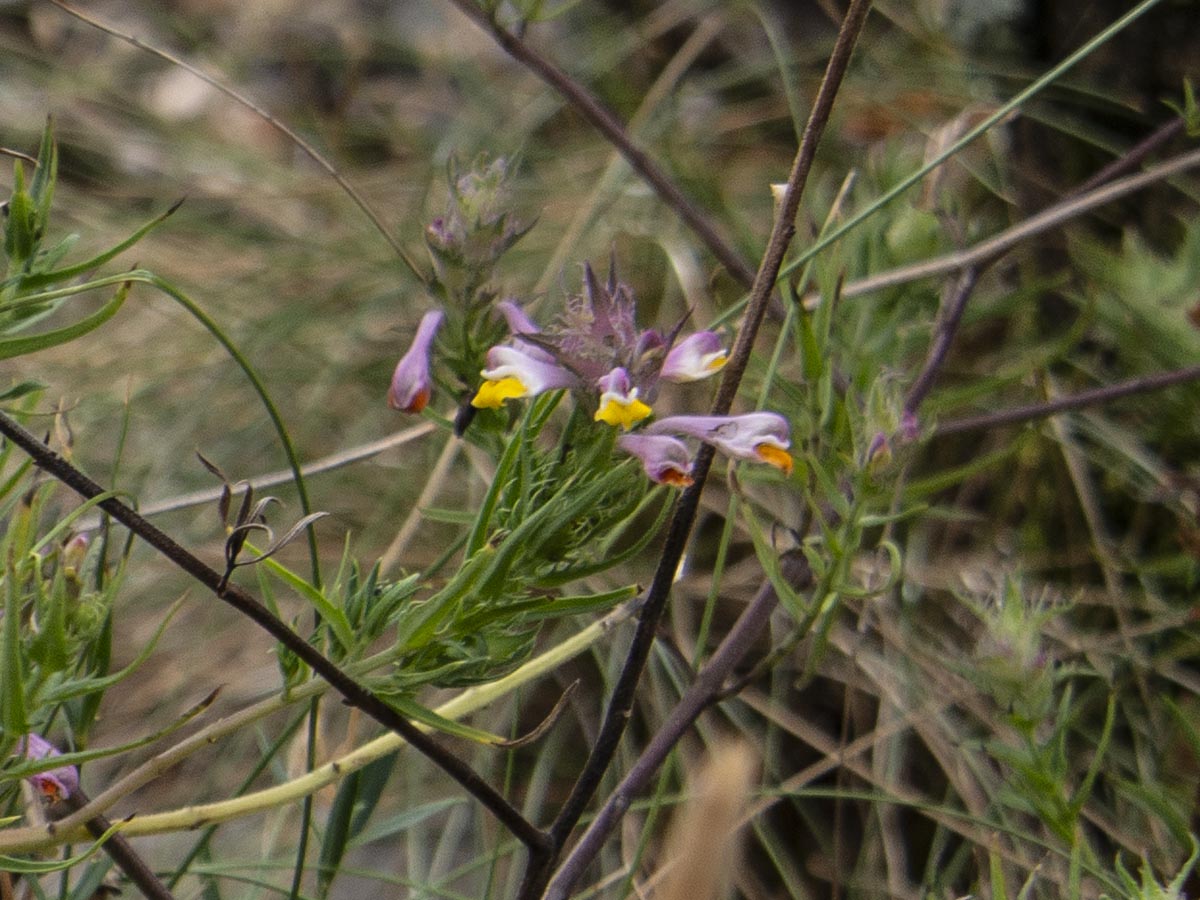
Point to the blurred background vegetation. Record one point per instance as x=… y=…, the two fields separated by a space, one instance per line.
x=1052 y=565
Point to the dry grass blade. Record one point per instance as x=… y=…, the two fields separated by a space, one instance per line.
x=702 y=844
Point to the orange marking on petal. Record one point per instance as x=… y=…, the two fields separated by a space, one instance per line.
x=419 y=402
x=677 y=478
x=774 y=456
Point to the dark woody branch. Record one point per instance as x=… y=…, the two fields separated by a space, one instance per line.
x=621 y=702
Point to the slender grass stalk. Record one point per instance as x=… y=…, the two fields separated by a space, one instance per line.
x=308 y=149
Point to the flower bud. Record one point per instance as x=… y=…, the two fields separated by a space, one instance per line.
x=411 y=385
x=665 y=459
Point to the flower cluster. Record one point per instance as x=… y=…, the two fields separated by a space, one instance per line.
x=598 y=350
x=595 y=349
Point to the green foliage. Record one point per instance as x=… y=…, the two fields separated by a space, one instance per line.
x=993 y=644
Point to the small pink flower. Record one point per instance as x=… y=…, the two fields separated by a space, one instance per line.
x=53 y=784
x=513 y=374
x=619 y=403
x=697 y=356
x=411 y=384
x=665 y=459
x=760 y=436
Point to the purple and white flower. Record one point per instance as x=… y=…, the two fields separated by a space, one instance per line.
x=513 y=374
x=665 y=459
x=53 y=784
x=760 y=436
x=697 y=356
x=619 y=403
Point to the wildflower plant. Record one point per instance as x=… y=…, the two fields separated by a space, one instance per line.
x=754 y=508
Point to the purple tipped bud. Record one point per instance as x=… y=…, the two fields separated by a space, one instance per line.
x=519 y=324
x=53 y=784
x=697 y=356
x=514 y=316
x=665 y=459
x=411 y=384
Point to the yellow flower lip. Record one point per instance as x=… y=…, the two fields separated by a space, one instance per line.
x=493 y=394
x=623 y=412
x=775 y=456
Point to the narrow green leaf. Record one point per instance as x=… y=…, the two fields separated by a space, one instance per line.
x=40 y=279
x=41 y=187
x=337 y=832
x=19 y=346
x=49 y=646
x=88 y=885
x=12 y=690
x=78 y=758
x=19 y=225
x=448 y=516
x=410 y=709
x=99 y=661
x=84 y=686
x=39 y=867
x=403 y=821
x=20 y=390
x=557 y=607
x=373 y=778
x=478 y=535
x=333 y=614
x=420 y=626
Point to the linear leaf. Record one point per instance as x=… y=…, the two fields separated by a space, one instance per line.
x=19 y=346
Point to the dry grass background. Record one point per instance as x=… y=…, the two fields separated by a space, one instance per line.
x=275 y=251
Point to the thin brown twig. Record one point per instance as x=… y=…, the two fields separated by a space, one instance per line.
x=1094 y=397
x=620 y=703
x=120 y=850
x=1053 y=216
x=604 y=121
x=354 y=693
x=943 y=337
x=1133 y=157
x=17 y=154
x=705 y=689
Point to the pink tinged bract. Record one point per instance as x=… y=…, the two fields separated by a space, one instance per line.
x=411 y=384
x=697 y=356
x=760 y=436
x=519 y=324
x=665 y=459
x=53 y=784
